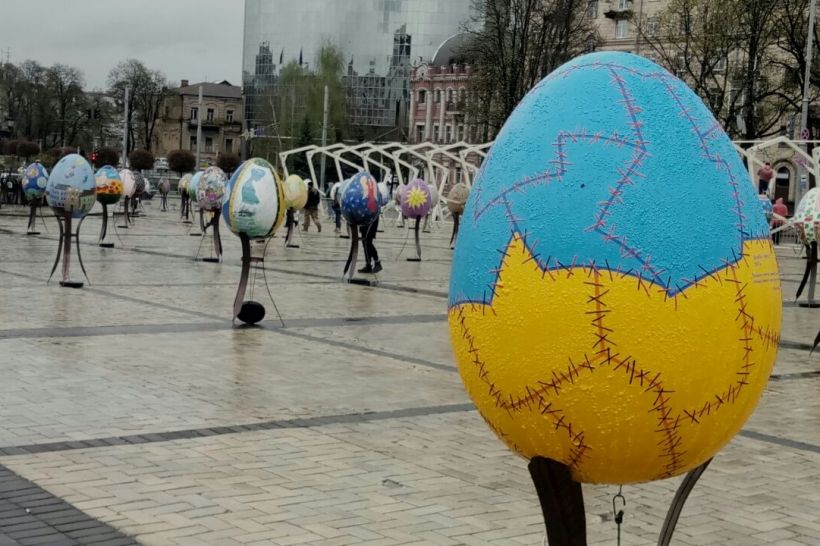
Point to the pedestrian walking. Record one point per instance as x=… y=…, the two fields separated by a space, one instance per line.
x=312 y=207
x=764 y=177
x=780 y=209
x=371 y=255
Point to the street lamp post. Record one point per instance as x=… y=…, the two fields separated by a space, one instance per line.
x=804 y=115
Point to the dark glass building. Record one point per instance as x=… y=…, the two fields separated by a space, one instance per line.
x=380 y=41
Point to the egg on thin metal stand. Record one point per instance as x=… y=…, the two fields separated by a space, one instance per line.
x=253 y=209
x=35 y=178
x=416 y=202
x=70 y=192
x=615 y=301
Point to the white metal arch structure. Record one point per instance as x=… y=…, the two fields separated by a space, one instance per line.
x=812 y=162
x=283 y=157
x=481 y=151
x=357 y=150
x=445 y=151
x=398 y=163
x=326 y=150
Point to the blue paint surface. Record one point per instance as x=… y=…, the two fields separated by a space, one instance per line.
x=610 y=160
x=361 y=199
x=35 y=179
x=72 y=186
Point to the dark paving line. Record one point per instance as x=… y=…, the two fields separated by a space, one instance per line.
x=367 y=350
x=777 y=440
x=302 y=422
x=799 y=345
x=31 y=515
x=795 y=375
x=224 y=325
x=153 y=304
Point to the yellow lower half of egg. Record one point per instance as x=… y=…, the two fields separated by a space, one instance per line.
x=610 y=375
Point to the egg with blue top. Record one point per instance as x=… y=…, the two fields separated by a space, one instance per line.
x=71 y=186
x=35 y=178
x=361 y=200
x=614 y=298
x=255 y=200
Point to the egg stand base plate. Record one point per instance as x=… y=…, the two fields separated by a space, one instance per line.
x=562 y=502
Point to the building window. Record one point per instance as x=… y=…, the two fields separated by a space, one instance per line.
x=167 y=112
x=720 y=65
x=193 y=143
x=437 y=96
x=210 y=114
x=652 y=25
x=592 y=9
x=229 y=145
x=209 y=144
x=449 y=134
x=419 y=133
x=622 y=29
x=435 y=132
x=194 y=112
x=624 y=4
x=229 y=115
x=422 y=96
x=685 y=25
x=460 y=133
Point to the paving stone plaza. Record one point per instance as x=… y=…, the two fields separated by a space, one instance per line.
x=134 y=412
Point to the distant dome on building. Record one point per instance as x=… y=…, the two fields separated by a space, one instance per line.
x=452 y=50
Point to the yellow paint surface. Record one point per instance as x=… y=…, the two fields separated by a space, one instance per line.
x=609 y=375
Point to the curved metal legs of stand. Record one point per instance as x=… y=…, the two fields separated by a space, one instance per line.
x=418 y=243
x=562 y=502
x=217 y=241
x=677 y=503
x=32 y=220
x=126 y=218
x=64 y=250
x=249 y=312
x=456 y=221
x=809 y=277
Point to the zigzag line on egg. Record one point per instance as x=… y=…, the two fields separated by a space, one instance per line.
x=559 y=162
x=537 y=402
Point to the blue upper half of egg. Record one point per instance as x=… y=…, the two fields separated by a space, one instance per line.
x=610 y=160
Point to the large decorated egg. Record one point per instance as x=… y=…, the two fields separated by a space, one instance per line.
x=807 y=217
x=210 y=192
x=109 y=185
x=129 y=183
x=457 y=198
x=139 y=184
x=193 y=185
x=360 y=199
x=164 y=186
x=35 y=178
x=296 y=192
x=182 y=186
x=416 y=199
x=614 y=299
x=255 y=203
x=71 y=186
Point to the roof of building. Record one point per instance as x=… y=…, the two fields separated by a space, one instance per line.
x=451 y=51
x=223 y=89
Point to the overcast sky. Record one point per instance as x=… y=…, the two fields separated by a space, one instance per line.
x=186 y=39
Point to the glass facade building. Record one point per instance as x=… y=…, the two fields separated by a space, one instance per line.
x=380 y=41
